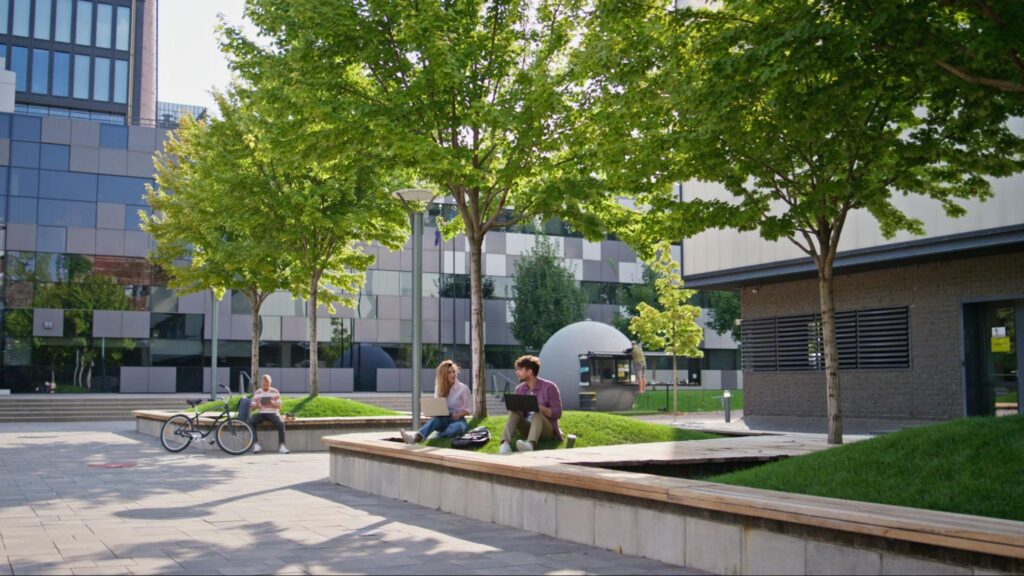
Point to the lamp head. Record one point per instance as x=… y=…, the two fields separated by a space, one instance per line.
x=414 y=194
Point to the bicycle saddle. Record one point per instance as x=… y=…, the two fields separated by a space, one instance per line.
x=195 y=402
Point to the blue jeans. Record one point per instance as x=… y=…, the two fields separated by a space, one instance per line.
x=447 y=427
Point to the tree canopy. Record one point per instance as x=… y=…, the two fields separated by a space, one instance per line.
x=546 y=295
x=476 y=99
x=793 y=108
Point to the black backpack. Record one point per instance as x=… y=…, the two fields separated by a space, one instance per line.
x=473 y=439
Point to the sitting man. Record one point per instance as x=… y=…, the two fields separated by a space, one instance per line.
x=266 y=405
x=542 y=425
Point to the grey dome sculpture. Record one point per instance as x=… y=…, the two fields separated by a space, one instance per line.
x=559 y=358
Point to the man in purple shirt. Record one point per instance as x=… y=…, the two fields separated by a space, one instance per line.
x=542 y=425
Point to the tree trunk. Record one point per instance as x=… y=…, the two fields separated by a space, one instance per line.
x=828 y=332
x=476 y=323
x=675 y=389
x=254 y=361
x=88 y=375
x=314 y=385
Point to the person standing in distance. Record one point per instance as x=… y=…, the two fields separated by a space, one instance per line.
x=639 y=364
x=266 y=402
x=542 y=425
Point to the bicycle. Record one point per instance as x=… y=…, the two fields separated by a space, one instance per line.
x=233 y=435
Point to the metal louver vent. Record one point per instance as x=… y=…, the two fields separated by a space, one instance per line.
x=877 y=339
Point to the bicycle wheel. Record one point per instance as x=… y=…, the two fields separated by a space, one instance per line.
x=176 y=433
x=235 y=436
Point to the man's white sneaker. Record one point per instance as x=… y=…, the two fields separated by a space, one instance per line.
x=524 y=446
x=283 y=449
x=408 y=437
x=257 y=448
x=504 y=448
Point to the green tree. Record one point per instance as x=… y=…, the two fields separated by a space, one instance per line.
x=546 y=295
x=674 y=327
x=792 y=107
x=212 y=230
x=476 y=98
x=723 y=312
x=630 y=296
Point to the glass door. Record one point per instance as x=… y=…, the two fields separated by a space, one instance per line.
x=993 y=385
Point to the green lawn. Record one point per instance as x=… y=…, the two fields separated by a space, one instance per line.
x=319 y=407
x=971 y=466
x=591 y=429
x=689 y=400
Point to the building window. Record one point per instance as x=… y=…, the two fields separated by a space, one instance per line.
x=19 y=65
x=40 y=71
x=61 y=71
x=124 y=26
x=101 y=82
x=42 y=26
x=4 y=13
x=104 y=24
x=21 y=17
x=877 y=339
x=81 y=77
x=62 y=27
x=121 y=81
x=83 y=25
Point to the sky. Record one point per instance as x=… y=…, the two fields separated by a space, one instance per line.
x=189 y=63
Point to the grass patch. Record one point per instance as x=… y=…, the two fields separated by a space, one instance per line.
x=971 y=466
x=689 y=401
x=591 y=429
x=318 y=407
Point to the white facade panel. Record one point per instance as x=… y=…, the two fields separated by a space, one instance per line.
x=717 y=250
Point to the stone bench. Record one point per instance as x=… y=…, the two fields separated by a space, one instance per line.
x=302 y=434
x=697 y=524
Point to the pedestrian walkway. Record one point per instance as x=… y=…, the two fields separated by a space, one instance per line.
x=98 y=498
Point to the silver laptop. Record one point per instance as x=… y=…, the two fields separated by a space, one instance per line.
x=432 y=407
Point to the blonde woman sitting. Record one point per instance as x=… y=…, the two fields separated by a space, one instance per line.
x=460 y=402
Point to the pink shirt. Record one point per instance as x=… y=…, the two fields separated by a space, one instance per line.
x=274 y=399
x=548 y=396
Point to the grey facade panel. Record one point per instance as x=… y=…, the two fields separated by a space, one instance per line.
x=388 y=331
x=163 y=379
x=113 y=161
x=134 y=379
x=193 y=303
x=364 y=330
x=573 y=247
x=48 y=322
x=431 y=308
x=592 y=270
x=110 y=242
x=107 y=324
x=85 y=159
x=110 y=216
x=56 y=130
x=223 y=377
x=135 y=324
x=241 y=327
x=341 y=379
x=933 y=388
x=294 y=328
x=21 y=237
x=136 y=243
x=85 y=133
x=388 y=260
x=140 y=164
x=5 y=152
x=496 y=243
x=293 y=380
x=142 y=139
x=81 y=240
x=389 y=307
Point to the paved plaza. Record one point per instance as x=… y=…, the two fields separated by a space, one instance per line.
x=98 y=498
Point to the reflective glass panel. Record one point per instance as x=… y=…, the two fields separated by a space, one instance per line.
x=61 y=71
x=42 y=27
x=104 y=24
x=81 y=76
x=124 y=18
x=83 y=24
x=21 y=17
x=19 y=65
x=40 y=71
x=62 y=26
x=101 y=81
x=121 y=81
x=65 y=213
x=3 y=16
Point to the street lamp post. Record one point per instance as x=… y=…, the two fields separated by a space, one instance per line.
x=416 y=195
